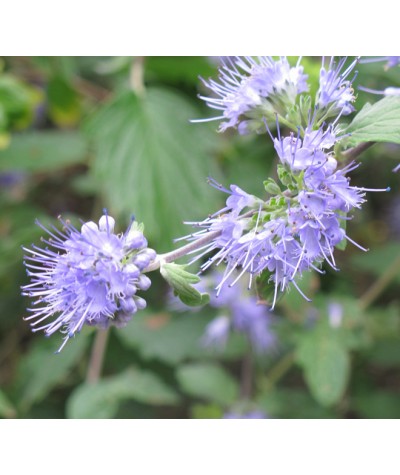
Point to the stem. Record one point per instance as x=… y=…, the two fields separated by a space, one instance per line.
x=246 y=380
x=380 y=284
x=279 y=370
x=97 y=356
x=137 y=75
x=182 y=251
x=192 y=246
x=354 y=152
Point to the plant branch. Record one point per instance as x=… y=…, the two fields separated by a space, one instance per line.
x=246 y=380
x=97 y=356
x=354 y=152
x=279 y=370
x=182 y=251
x=137 y=75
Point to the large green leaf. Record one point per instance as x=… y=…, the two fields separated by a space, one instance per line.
x=377 y=123
x=43 y=151
x=152 y=162
x=326 y=364
x=41 y=370
x=175 y=338
x=208 y=381
x=160 y=336
x=101 y=400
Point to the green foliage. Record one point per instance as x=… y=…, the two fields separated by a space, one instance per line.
x=64 y=103
x=139 y=154
x=146 y=163
x=180 y=281
x=208 y=381
x=326 y=364
x=155 y=336
x=379 y=122
x=41 y=370
x=17 y=103
x=7 y=410
x=44 y=151
x=101 y=400
x=377 y=260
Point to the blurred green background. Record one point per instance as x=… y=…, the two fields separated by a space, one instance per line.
x=79 y=134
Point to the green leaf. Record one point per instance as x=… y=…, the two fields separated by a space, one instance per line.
x=271 y=187
x=178 y=69
x=17 y=102
x=64 y=104
x=206 y=411
x=152 y=162
x=101 y=400
x=41 y=370
x=377 y=404
x=208 y=381
x=43 y=151
x=6 y=408
x=292 y=403
x=155 y=336
x=326 y=364
x=180 y=281
x=377 y=123
x=377 y=260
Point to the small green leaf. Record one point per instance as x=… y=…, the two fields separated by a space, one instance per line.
x=208 y=381
x=379 y=122
x=271 y=187
x=326 y=364
x=101 y=400
x=284 y=176
x=180 y=281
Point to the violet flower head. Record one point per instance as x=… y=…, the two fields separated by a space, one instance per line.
x=297 y=228
x=336 y=92
x=254 y=414
x=86 y=277
x=251 y=88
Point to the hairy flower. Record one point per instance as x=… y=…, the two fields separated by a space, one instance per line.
x=295 y=230
x=250 y=88
x=254 y=414
x=86 y=277
x=335 y=89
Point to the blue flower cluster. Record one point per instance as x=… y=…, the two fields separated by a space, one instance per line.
x=251 y=90
x=299 y=225
x=87 y=277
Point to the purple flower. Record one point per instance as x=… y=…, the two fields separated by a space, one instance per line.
x=335 y=314
x=335 y=89
x=294 y=231
x=391 y=61
x=254 y=414
x=86 y=277
x=389 y=91
x=217 y=332
x=249 y=88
